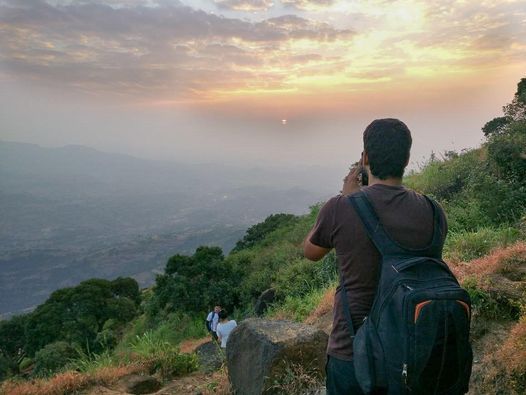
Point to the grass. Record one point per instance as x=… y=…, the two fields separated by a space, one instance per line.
x=512 y=356
x=298 y=308
x=466 y=246
x=161 y=356
x=173 y=329
x=296 y=379
x=68 y=382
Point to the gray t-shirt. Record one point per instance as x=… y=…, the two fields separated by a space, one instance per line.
x=407 y=217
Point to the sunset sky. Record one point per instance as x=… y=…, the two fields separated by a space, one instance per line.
x=209 y=81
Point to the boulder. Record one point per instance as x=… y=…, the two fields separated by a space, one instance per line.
x=261 y=354
x=265 y=299
x=210 y=356
x=138 y=384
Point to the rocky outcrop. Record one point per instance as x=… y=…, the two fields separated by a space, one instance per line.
x=265 y=299
x=274 y=356
x=210 y=356
x=138 y=384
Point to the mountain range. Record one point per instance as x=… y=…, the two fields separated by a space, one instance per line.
x=72 y=213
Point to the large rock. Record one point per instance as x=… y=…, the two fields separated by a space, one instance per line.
x=138 y=384
x=265 y=299
x=262 y=353
x=210 y=356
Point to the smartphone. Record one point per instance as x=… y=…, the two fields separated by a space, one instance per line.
x=363 y=173
x=364 y=177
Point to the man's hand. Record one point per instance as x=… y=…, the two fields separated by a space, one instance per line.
x=351 y=182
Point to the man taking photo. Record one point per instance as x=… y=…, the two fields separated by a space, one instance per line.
x=406 y=216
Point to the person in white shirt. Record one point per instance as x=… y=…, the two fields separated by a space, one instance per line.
x=212 y=320
x=224 y=327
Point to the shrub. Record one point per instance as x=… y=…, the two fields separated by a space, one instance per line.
x=87 y=362
x=162 y=357
x=25 y=363
x=5 y=367
x=302 y=276
x=53 y=357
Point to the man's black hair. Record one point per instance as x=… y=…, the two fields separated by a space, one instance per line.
x=223 y=314
x=387 y=143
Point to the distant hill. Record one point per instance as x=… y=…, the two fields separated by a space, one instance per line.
x=72 y=213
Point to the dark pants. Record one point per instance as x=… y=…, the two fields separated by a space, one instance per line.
x=340 y=377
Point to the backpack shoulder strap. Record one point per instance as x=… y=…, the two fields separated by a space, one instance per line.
x=438 y=221
x=373 y=226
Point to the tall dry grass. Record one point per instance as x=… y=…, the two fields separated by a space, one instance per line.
x=69 y=382
x=499 y=261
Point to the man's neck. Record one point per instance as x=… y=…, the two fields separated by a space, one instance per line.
x=394 y=182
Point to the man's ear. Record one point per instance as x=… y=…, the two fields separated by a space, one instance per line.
x=365 y=159
x=407 y=161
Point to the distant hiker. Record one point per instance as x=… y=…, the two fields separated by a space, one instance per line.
x=224 y=327
x=212 y=320
x=388 y=241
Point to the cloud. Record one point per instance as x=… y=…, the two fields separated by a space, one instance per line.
x=168 y=49
x=308 y=4
x=244 y=5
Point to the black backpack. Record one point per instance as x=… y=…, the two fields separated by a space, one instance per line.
x=415 y=339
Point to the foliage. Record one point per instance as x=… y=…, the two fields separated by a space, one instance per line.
x=297 y=308
x=12 y=333
x=53 y=357
x=260 y=266
x=301 y=276
x=78 y=314
x=259 y=231
x=6 y=367
x=25 y=363
x=485 y=187
x=173 y=328
x=465 y=246
x=194 y=283
x=88 y=362
x=164 y=357
x=495 y=126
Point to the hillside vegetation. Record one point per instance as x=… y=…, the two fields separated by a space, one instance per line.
x=106 y=326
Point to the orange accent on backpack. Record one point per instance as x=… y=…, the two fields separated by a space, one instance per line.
x=419 y=307
x=464 y=304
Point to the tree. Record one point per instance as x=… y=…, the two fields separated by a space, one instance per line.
x=78 y=314
x=496 y=126
x=193 y=283
x=516 y=110
x=53 y=357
